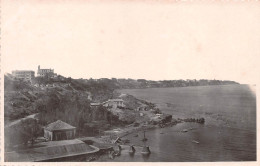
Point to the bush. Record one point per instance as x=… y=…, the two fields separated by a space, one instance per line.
x=136 y=124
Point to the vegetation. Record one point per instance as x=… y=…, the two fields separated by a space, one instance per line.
x=23 y=133
x=69 y=100
x=142 y=83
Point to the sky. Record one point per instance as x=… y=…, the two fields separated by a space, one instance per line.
x=123 y=39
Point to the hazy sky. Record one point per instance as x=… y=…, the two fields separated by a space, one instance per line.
x=133 y=39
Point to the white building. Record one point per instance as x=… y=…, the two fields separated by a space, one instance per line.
x=44 y=72
x=114 y=103
x=26 y=75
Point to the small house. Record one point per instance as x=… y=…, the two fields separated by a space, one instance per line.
x=59 y=130
x=114 y=103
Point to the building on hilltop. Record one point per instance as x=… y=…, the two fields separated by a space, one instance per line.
x=59 y=130
x=44 y=72
x=26 y=75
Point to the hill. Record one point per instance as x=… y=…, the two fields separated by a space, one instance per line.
x=68 y=99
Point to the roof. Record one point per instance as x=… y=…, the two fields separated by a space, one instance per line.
x=59 y=125
x=15 y=71
x=51 y=150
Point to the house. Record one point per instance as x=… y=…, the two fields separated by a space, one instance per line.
x=44 y=72
x=114 y=103
x=59 y=130
x=26 y=75
x=110 y=103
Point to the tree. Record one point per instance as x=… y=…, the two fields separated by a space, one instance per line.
x=30 y=130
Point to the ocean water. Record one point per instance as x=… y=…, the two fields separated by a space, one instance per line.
x=229 y=133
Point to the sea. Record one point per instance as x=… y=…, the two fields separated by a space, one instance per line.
x=229 y=133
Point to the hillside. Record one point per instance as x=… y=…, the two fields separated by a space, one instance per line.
x=59 y=94
x=50 y=99
x=63 y=99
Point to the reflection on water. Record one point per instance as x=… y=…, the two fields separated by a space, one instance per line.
x=146 y=157
x=131 y=155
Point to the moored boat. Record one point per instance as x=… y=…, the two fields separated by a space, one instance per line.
x=131 y=149
x=146 y=150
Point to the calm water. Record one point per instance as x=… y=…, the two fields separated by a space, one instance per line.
x=228 y=135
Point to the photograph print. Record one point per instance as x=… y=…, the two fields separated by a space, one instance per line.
x=129 y=81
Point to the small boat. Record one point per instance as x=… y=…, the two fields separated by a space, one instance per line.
x=144 y=139
x=195 y=141
x=126 y=141
x=136 y=135
x=184 y=130
x=146 y=150
x=131 y=149
x=119 y=147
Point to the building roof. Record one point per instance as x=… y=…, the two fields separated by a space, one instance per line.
x=59 y=125
x=51 y=150
x=14 y=71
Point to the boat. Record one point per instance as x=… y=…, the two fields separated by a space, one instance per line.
x=118 y=152
x=131 y=149
x=197 y=142
x=126 y=141
x=119 y=147
x=184 y=130
x=146 y=150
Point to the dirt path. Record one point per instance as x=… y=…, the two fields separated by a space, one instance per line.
x=19 y=120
